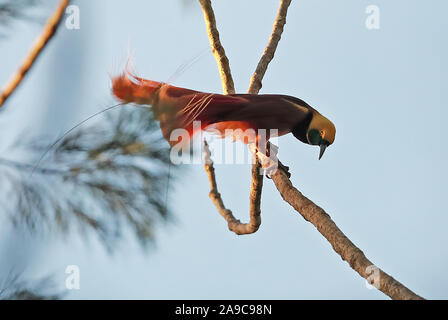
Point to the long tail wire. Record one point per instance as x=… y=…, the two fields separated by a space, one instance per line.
x=178 y=72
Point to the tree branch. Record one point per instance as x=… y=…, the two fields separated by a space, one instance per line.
x=257 y=180
x=339 y=241
x=217 y=49
x=38 y=46
x=108 y=176
x=234 y=224
x=254 y=88
x=308 y=209
x=227 y=82
x=269 y=51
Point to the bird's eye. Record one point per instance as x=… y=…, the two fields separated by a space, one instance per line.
x=314 y=137
x=322 y=133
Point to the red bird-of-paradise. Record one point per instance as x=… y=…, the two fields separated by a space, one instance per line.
x=176 y=107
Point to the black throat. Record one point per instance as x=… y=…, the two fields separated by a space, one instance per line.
x=300 y=129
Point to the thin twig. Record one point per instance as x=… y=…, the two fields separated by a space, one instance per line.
x=339 y=241
x=254 y=88
x=234 y=224
x=39 y=44
x=269 y=51
x=217 y=49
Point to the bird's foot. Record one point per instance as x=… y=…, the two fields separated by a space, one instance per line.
x=273 y=169
x=285 y=169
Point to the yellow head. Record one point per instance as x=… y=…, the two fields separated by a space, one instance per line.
x=321 y=132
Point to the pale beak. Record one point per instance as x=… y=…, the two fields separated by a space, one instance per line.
x=322 y=150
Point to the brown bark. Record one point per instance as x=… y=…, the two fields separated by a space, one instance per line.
x=308 y=209
x=338 y=240
x=38 y=46
x=217 y=48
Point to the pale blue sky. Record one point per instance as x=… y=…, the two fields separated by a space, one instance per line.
x=384 y=180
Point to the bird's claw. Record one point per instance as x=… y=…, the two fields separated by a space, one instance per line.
x=271 y=170
x=285 y=169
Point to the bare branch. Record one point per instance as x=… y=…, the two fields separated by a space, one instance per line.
x=234 y=224
x=254 y=88
x=257 y=180
x=223 y=66
x=269 y=51
x=308 y=209
x=217 y=49
x=339 y=241
x=39 y=44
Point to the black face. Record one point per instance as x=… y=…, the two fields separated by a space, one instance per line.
x=315 y=139
x=300 y=130
x=312 y=137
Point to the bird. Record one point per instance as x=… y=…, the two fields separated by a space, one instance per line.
x=176 y=107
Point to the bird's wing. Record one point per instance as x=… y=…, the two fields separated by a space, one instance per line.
x=180 y=108
x=270 y=112
x=276 y=114
x=231 y=112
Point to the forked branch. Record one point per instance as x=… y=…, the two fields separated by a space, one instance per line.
x=234 y=224
x=227 y=83
x=254 y=88
x=308 y=209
